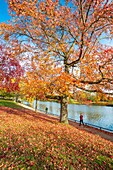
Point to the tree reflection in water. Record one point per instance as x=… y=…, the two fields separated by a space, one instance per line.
x=93 y=116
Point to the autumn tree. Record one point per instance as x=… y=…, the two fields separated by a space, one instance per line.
x=46 y=80
x=10 y=71
x=71 y=33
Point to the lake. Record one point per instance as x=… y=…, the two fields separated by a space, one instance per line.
x=96 y=115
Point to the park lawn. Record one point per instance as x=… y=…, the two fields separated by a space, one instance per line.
x=35 y=141
x=9 y=103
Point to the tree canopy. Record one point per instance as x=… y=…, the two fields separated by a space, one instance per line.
x=64 y=35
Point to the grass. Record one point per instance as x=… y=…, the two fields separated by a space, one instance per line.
x=9 y=103
x=34 y=141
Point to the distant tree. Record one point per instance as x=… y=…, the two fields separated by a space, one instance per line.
x=69 y=33
x=10 y=71
x=5 y=94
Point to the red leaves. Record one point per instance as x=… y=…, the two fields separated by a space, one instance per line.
x=10 y=70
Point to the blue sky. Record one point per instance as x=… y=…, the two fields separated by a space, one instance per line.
x=4 y=16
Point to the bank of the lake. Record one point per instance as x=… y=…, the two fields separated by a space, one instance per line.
x=98 y=116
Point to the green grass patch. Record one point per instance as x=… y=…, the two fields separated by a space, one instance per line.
x=9 y=103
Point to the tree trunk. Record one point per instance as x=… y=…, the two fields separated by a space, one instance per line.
x=16 y=97
x=36 y=105
x=63 y=110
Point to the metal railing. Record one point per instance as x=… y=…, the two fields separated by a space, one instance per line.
x=92 y=125
x=85 y=123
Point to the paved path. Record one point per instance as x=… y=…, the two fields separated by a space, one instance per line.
x=104 y=134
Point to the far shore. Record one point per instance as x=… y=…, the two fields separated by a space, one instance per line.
x=89 y=103
x=93 y=103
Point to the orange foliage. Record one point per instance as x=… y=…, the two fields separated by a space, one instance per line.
x=31 y=140
x=67 y=35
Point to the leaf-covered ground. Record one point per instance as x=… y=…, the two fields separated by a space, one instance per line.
x=35 y=141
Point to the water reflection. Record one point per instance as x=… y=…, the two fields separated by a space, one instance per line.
x=51 y=109
x=93 y=116
x=97 y=115
x=42 y=107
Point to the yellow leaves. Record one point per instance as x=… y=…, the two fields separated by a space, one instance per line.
x=13 y=80
x=35 y=57
x=2 y=25
x=62 y=84
x=62 y=47
x=6 y=30
x=2 y=28
x=34 y=85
